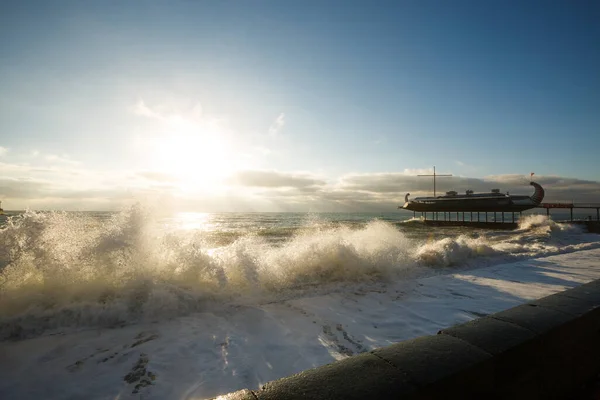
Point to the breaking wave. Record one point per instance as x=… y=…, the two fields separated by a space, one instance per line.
x=76 y=270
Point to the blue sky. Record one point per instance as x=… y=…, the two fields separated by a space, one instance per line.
x=207 y=92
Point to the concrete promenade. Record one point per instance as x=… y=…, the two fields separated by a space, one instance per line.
x=545 y=349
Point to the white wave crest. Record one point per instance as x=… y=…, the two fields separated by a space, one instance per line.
x=454 y=251
x=75 y=270
x=61 y=269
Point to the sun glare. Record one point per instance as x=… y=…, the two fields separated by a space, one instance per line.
x=198 y=159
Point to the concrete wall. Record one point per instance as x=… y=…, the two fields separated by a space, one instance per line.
x=541 y=350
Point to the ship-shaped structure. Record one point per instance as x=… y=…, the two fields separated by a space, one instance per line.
x=493 y=201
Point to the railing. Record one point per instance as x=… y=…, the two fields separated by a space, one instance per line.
x=587 y=205
x=560 y=204
x=568 y=204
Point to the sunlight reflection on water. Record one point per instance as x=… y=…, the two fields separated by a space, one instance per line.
x=188 y=221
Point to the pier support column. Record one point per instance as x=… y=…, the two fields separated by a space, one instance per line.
x=495 y=219
x=463 y=216
x=513 y=217
x=502 y=216
x=486 y=220
x=471 y=219
x=414 y=214
x=477 y=216
x=571 y=214
x=548 y=212
x=598 y=214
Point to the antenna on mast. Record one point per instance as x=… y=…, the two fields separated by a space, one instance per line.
x=434 y=175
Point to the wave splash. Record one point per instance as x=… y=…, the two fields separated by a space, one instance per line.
x=74 y=270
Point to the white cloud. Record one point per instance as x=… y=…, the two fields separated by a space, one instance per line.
x=380 y=140
x=262 y=150
x=466 y=168
x=421 y=171
x=169 y=112
x=277 y=125
x=3 y=151
x=10 y=169
x=274 y=179
x=50 y=181
x=60 y=159
x=142 y=109
x=157 y=176
x=390 y=185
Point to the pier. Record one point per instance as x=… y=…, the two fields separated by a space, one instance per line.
x=473 y=216
x=474 y=219
x=571 y=206
x=493 y=210
x=509 y=220
x=503 y=216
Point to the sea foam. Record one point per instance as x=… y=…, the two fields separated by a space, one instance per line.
x=63 y=269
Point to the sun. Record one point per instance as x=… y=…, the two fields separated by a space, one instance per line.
x=197 y=158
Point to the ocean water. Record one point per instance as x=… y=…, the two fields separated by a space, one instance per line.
x=63 y=271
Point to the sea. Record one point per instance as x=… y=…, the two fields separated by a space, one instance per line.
x=93 y=269
x=77 y=287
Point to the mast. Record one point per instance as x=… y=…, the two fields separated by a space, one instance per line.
x=434 y=175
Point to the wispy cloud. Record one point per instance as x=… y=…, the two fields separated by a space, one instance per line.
x=3 y=151
x=49 y=181
x=380 y=140
x=23 y=188
x=173 y=113
x=262 y=150
x=157 y=176
x=277 y=125
x=60 y=159
x=390 y=185
x=465 y=167
x=37 y=156
x=421 y=171
x=142 y=109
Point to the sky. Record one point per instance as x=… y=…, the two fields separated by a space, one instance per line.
x=294 y=105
